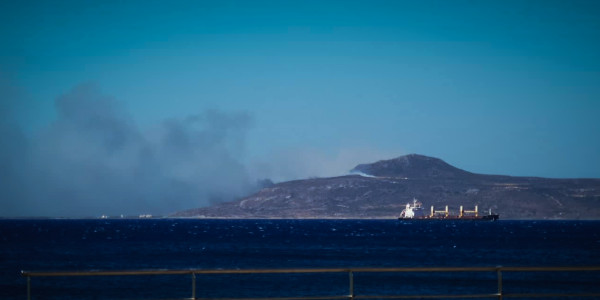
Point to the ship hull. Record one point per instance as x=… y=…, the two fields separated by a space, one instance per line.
x=493 y=217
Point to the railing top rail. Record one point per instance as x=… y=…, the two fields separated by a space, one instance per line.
x=308 y=270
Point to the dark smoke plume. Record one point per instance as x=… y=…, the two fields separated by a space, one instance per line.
x=93 y=159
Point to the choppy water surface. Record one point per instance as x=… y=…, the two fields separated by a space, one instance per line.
x=241 y=244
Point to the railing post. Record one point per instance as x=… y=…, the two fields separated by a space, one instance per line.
x=193 y=285
x=499 y=272
x=351 y=278
x=28 y=288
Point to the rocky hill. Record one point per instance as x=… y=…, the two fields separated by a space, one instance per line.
x=383 y=188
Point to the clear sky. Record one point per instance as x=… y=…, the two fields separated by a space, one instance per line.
x=293 y=89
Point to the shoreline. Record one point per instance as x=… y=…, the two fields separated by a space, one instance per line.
x=268 y=218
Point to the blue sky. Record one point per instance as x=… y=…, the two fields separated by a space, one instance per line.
x=502 y=87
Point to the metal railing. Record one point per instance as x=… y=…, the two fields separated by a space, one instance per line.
x=499 y=271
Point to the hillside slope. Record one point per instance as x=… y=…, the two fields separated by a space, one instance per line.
x=386 y=186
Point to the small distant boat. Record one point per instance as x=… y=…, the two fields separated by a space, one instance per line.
x=416 y=212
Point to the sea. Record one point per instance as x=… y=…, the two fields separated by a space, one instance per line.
x=159 y=244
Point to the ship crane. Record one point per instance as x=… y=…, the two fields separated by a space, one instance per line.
x=445 y=212
x=463 y=212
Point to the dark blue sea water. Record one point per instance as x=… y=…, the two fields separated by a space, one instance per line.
x=241 y=244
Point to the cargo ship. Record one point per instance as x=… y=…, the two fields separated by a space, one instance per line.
x=417 y=212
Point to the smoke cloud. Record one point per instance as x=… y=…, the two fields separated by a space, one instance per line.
x=307 y=162
x=93 y=159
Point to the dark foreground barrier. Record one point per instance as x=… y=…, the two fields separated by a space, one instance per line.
x=521 y=278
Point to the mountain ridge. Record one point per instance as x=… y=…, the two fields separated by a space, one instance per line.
x=411 y=165
x=381 y=189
